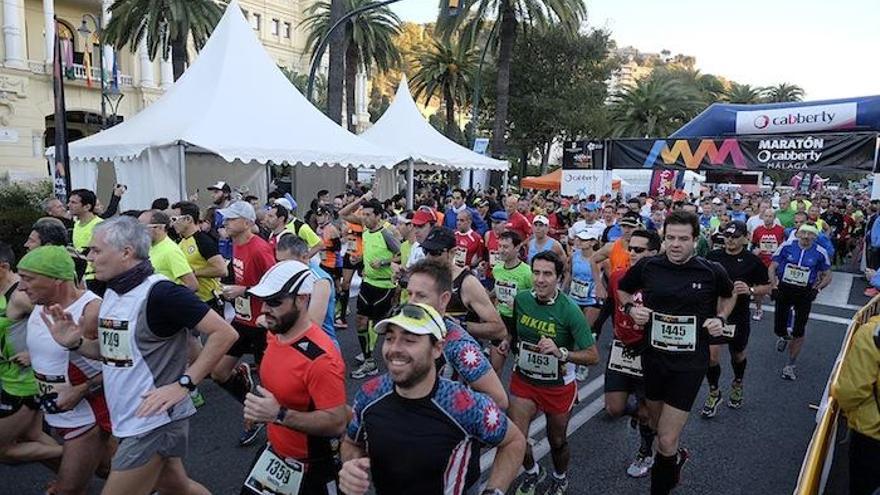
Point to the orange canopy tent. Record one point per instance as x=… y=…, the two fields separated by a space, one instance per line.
x=551 y=181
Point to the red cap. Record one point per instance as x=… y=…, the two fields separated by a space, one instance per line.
x=423 y=216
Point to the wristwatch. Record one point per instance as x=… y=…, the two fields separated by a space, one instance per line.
x=186 y=382
x=279 y=418
x=723 y=319
x=76 y=346
x=627 y=307
x=564 y=354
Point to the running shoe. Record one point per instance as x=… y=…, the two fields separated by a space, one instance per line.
x=782 y=343
x=530 y=481
x=684 y=456
x=360 y=358
x=641 y=465
x=249 y=435
x=735 y=400
x=713 y=400
x=367 y=369
x=758 y=314
x=557 y=486
x=582 y=373
x=788 y=373
x=197 y=398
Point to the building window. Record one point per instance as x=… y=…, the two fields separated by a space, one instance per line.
x=255 y=21
x=276 y=27
x=287 y=30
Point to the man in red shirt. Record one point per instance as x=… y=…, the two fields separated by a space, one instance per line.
x=492 y=251
x=302 y=397
x=766 y=239
x=623 y=377
x=516 y=221
x=251 y=258
x=468 y=244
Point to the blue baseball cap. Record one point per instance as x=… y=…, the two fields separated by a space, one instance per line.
x=590 y=206
x=499 y=216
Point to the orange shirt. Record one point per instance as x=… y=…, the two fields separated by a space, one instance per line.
x=619 y=257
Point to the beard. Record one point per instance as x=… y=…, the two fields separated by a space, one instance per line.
x=416 y=374
x=284 y=323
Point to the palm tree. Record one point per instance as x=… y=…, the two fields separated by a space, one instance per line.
x=653 y=107
x=164 y=23
x=744 y=94
x=512 y=16
x=446 y=69
x=785 y=92
x=369 y=39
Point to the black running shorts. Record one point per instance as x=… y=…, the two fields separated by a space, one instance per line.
x=676 y=388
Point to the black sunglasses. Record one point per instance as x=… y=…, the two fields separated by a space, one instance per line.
x=274 y=302
x=420 y=313
x=637 y=249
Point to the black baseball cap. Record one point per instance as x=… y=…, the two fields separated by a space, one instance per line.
x=439 y=239
x=735 y=229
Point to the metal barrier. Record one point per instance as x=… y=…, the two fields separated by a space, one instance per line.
x=820 y=452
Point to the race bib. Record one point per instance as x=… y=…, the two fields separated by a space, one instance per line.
x=460 y=256
x=535 y=365
x=623 y=361
x=243 y=307
x=728 y=331
x=274 y=475
x=505 y=292
x=493 y=258
x=769 y=244
x=673 y=333
x=580 y=289
x=51 y=384
x=115 y=343
x=796 y=275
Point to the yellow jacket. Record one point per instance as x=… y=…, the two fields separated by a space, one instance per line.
x=858 y=386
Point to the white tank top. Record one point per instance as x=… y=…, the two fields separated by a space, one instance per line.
x=53 y=364
x=136 y=361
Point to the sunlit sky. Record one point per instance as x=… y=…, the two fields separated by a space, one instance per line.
x=829 y=48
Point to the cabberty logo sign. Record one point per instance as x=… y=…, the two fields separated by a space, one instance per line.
x=800 y=119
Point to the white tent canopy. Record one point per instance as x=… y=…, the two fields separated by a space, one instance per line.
x=233 y=107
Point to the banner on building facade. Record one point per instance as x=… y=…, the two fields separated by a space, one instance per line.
x=61 y=170
x=834 y=152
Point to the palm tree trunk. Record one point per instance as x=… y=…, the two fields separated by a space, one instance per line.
x=502 y=98
x=336 y=72
x=178 y=56
x=451 y=128
x=351 y=69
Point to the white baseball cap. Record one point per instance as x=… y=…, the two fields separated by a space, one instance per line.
x=286 y=277
x=239 y=209
x=541 y=219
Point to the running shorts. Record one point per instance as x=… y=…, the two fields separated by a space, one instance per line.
x=374 y=302
x=555 y=399
x=676 y=388
x=11 y=404
x=169 y=440
x=98 y=404
x=740 y=337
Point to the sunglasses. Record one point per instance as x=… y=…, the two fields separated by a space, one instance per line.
x=420 y=313
x=274 y=302
x=178 y=218
x=637 y=249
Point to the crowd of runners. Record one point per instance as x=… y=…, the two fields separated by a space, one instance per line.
x=111 y=322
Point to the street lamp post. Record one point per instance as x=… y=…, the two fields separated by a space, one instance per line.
x=84 y=29
x=451 y=7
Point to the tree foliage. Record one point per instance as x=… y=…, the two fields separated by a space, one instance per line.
x=654 y=107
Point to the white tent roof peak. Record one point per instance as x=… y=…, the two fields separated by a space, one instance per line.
x=235 y=102
x=403 y=128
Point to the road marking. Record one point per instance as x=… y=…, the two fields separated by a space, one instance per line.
x=542 y=448
x=817 y=316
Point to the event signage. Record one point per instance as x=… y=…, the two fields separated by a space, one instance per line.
x=583 y=183
x=820 y=152
x=797 y=119
x=583 y=155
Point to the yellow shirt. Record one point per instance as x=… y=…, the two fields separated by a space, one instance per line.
x=82 y=236
x=856 y=387
x=198 y=249
x=167 y=259
x=306 y=233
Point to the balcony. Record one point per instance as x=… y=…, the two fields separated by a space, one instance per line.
x=79 y=73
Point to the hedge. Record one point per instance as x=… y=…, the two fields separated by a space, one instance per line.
x=20 y=207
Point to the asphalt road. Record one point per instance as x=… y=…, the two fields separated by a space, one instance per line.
x=756 y=449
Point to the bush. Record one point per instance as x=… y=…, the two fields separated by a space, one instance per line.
x=20 y=207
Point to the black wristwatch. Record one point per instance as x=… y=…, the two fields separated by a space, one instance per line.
x=76 y=346
x=723 y=320
x=186 y=382
x=627 y=307
x=279 y=418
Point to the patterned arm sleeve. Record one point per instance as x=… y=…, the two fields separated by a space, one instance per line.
x=465 y=355
x=487 y=422
x=354 y=431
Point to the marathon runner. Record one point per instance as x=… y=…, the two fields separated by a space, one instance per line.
x=551 y=336
x=332 y=240
x=432 y=285
x=322 y=300
x=69 y=383
x=276 y=220
x=468 y=243
x=300 y=228
x=766 y=239
x=81 y=204
x=21 y=422
x=202 y=253
x=251 y=258
x=511 y=276
x=749 y=276
x=798 y=272
x=452 y=422
x=541 y=242
x=302 y=396
x=624 y=377
x=470 y=303
x=376 y=296
x=610 y=258
x=141 y=340
x=686 y=299
x=579 y=276
x=166 y=257
x=498 y=220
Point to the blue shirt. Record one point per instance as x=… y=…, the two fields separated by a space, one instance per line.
x=450 y=220
x=329 y=319
x=739 y=215
x=875 y=234
x=815 y=259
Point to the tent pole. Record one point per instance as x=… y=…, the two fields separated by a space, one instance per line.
x=410 y=184
x=504 y=181
x=181 y=168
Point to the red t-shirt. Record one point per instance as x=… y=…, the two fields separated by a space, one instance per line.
x=305 y=375
x=768 y=240
x=520 y=224
x=492 y=251
x=625 y=329
x=467 y=246
x=250 y=261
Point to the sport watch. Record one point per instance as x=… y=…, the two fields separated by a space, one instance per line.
x=186 y=382
x=563 y=354
x=279 y=418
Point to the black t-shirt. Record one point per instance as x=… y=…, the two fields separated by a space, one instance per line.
x=206 y=245
x=688 y=289
x=172 y=308
x=745 y=267
x=835 y=220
